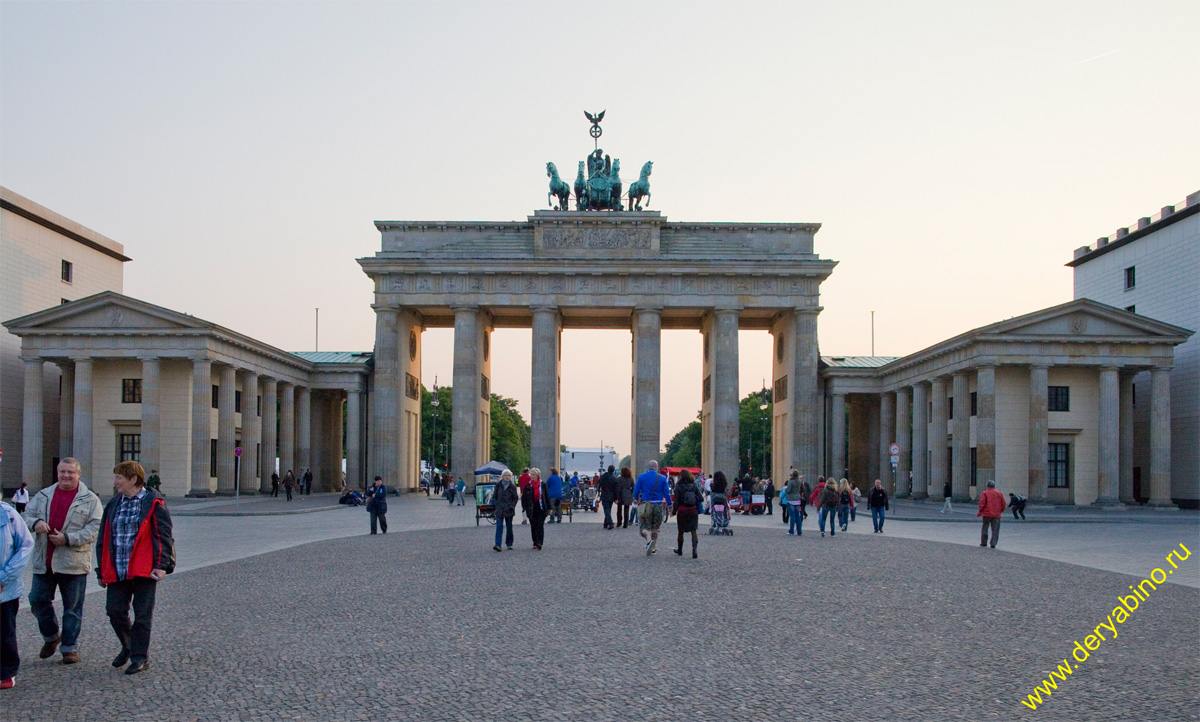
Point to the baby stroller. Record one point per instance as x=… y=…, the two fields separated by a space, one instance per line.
x=720 y=515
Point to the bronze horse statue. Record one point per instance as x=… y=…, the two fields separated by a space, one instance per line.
x=558 y=189
x=580 y=188
x=640 y=188
x=615 y=195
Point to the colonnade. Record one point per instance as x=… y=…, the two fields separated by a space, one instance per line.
x=935 y=436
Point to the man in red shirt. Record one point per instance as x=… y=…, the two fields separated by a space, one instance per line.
x=991 y=508
x=65 y=517
x=523 y=484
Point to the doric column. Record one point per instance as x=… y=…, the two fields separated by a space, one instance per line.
x=719 y=395
x=468 y=391
x=647 y=347
x=251 y=426
x=151 y=374
x=887 y=427
x=543 y=407
x=961 y=460
x=1126 y=489
x=385 y=399
x=226 y=430
x=201 y=426
x=82 y=447
x=1160 y=436
x=920 y=442
x=806 y=400
x=1109 y=438
x=985 y=425
x=903 y=431
x=66 y=410
x=837 y=436
x=287 y=428
x=408 y=391
x=354 y=473
x=937 y=438
x=270 y=428
x=303 y=429
x=31 y=427
x=1039 y=439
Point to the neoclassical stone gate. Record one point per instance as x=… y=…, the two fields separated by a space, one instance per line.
x=571 y=269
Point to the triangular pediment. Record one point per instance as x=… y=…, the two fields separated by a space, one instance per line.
x=1084 y=318
x=107 y=310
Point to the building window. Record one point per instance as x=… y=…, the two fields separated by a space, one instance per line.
x=68 y=271
x=237 y=402
x=1130 y=277
x=1058 y=472
x=1058 y=398
x=1131 y=309
x=216 y=393
x=131 y=391
x=131 y=447
x=212 y=457
x=974 y=403
x=974 y=477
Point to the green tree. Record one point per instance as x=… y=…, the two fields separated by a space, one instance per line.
x=754 y=426
x=627 y=461
x=436 y=420
x=684 y=447
x=511 y=435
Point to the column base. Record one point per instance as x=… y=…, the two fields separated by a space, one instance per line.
x=1108 y=504
x=1162 y=505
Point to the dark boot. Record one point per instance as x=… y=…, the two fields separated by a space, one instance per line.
x=695 y=543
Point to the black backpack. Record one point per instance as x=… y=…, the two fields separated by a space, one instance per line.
x=689 y=497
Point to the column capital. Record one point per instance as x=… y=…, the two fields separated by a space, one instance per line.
x=544 y=308
x=1161 y=368
x=808 y=310
x=380 y=310
x=727 y=310
x=647 y=309
x=200 y=356
x=30 y=359
x=986 y=366
x=463 y=309
x=77 y=357
x=150 y=357
x=1040 y=366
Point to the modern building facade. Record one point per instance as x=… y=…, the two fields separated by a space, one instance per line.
x=45 y=260
x=1153 y=269
x=1042 y=404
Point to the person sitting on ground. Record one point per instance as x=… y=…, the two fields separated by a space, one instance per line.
x=1017 y=504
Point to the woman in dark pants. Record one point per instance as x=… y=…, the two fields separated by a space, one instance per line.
x=134 y=551
x=624 y=497
x=536 y=501
x=687 y=510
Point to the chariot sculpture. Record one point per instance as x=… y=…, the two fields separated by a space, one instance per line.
x=598 y=183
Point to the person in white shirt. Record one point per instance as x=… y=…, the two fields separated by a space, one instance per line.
x=20 y=498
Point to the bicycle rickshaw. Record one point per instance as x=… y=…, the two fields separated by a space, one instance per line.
x=485 y=507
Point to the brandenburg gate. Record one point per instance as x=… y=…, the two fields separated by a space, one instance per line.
x=599 y=266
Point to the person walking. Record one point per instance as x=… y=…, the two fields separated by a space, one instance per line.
x=747 y=488
x=460 y=490
x=522 y=485
x=608 y=494
x=624 y=496
x=65 y=516
x=654 y=498
x=1016 y=502
x=134 y=553
x=536 y=501
x=769 y=491
x=845 y=499
x=991 y=508
x=829 y=499
x=16 y=548
x=554 y=487
x=289 y=483
x=20 y=498
x=308 y=477
x=794 y=493
x=377 y=505
x=504 y=505
x=878 y=501
x=946 y=490
x=274 y=484
x=687 y=511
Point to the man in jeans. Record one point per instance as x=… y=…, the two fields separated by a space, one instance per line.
x=65 y=518
x=554 y=487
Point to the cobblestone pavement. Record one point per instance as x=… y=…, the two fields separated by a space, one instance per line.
x=433 y=625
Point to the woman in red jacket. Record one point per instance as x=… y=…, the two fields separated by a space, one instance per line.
x=135 y=551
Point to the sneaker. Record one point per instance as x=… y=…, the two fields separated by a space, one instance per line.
x=496 y=549
x=70 y=658
x=50 y=647
x=649 y=551
x=8 y=683
x=822 y=533
x=510 y=549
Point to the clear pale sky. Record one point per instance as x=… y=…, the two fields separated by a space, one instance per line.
x=955 y=153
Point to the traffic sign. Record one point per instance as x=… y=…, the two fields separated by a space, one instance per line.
x=894 y=449
x=237 y=451
x=895 y=459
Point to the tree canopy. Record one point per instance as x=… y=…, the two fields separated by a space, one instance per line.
x=510 y=433
x=754 y=439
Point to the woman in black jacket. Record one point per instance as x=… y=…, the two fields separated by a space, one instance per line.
x=878 y=501
x=536 y=501
x=686 y=508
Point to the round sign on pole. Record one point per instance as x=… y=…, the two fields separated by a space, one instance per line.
x=237 y=451
x=894 y=449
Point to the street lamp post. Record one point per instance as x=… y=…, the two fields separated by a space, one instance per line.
x=434 y=402
x=762 y=407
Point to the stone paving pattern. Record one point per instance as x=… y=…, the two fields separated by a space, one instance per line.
x=433 y=625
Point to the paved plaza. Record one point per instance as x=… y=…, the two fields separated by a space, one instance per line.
x=305 y=617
